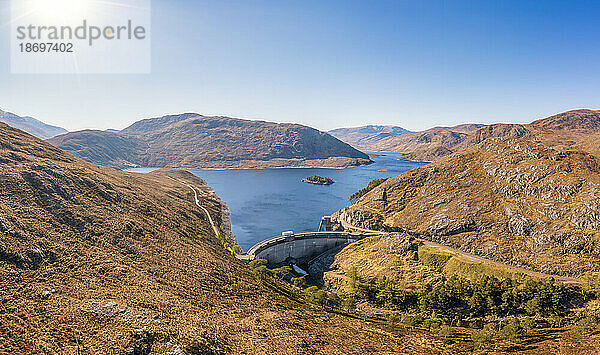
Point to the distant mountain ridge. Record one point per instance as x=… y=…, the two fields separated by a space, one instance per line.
x=31 y=125
x=191 y=140
x=364 y=136
x=429 y=145
x=526 y=195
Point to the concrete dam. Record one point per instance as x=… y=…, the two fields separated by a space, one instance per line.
x=300 y=246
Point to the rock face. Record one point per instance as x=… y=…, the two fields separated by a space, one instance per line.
x=129 y=264
x=509 y=199
x=362 y=137
x=31 y=125
x=195 y=141
x=562 y=130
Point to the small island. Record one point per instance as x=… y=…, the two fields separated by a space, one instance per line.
x=319 y=180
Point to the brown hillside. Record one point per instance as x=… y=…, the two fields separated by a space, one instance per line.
x=559 y=131
x=98 y=261
x=364 y=136
x=427 y=145
x=195 y=141
x=508 y=199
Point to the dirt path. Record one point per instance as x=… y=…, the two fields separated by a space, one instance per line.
x=212 y=223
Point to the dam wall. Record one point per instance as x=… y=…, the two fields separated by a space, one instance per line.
x=294 y=247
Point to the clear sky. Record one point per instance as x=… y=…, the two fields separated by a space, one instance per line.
x=329 y=64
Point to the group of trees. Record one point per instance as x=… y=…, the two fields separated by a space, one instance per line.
x=488 y=296
x=360 y=193
x=454 y=297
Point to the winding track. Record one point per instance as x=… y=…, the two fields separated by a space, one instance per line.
x=469 y=256
x=212 y=223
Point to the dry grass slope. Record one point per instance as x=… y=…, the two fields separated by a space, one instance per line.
x=98 y=261
x=508 y=199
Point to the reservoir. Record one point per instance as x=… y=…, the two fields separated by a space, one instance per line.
x=265 y=202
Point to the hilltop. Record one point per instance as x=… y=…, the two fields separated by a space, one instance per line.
x=195 y=141
x=364 y=136
x=560 y=131
x=31 y=125
x=101 y=261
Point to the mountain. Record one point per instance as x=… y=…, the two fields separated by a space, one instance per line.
x=362 y=137
x=561 y=130
x=426 y=145
x=94 y=260
x=509 y=199
x=102 y=147
x=31 y=125
x=194 y=141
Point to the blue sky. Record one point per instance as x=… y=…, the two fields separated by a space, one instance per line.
x=328 y=64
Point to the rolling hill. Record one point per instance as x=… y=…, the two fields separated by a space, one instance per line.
x=31 y=125
x=426 y=145
x=195 y=141
x=509 y=199
x=561 y=131
x=362 y=137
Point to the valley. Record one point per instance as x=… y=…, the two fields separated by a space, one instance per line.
x=511 y=217
x=95 y=260
x=300 y=177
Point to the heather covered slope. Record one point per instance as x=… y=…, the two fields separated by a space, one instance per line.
x=508 y=199
x=31 y=125
x=99 y=261
x=194 y=141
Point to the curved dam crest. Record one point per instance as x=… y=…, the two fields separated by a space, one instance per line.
x=300 y=246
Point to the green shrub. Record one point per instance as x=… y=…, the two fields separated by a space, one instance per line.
x=446 y=331
x=587 y=324
x=394 y=318
x=373 y=184
x=413 y=321
x=485 y=337
x=281 y=272
x=528 y=324
x=432 y=323
x=257 y=263
x=513 y=331
x=299 y=281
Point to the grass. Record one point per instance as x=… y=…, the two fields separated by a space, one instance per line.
x=451 y=263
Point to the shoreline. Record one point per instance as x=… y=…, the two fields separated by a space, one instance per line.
x=279 y=167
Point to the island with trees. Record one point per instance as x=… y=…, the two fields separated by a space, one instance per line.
x=318 y=180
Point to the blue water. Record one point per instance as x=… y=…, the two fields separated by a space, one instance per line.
x=265 y=202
